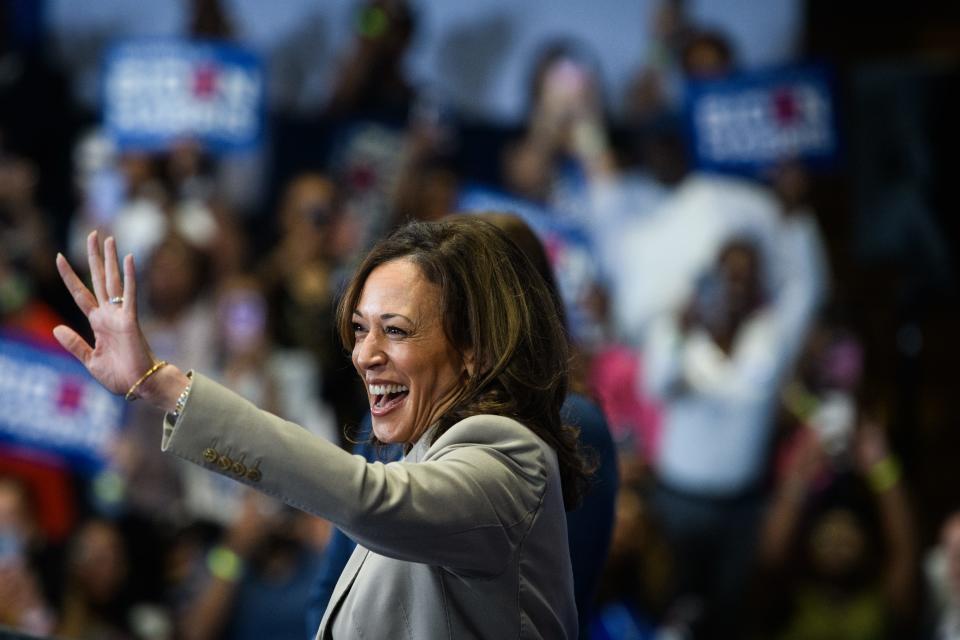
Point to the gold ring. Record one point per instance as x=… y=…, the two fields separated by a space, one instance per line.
x=116 y=300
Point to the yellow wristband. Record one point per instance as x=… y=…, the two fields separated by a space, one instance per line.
x=224 y=564
x=884 y=474
x=800 y=402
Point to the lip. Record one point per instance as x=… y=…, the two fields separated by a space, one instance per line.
x=390 y=407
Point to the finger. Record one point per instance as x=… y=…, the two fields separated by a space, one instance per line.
x=81 y=295
x=72 y=342
x=114 y=286
x=96 y=267
x=129 y=284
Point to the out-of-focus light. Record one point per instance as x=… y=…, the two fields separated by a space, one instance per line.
x=372 y=23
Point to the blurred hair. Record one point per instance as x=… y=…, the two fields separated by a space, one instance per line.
x=495 y=304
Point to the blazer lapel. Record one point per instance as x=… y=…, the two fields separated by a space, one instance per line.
x=343 y=585
x=349 y=575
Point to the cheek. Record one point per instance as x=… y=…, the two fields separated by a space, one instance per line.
x=448 y=373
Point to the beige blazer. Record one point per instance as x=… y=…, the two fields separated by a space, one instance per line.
x=462 y=539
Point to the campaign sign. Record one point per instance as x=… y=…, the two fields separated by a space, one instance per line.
x=567 y=245
x=156 y=92
x=51 y=403
x=752 y=121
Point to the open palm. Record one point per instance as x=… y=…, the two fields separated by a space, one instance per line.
x=120 y=354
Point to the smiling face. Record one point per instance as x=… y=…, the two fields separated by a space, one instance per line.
x=411 y=370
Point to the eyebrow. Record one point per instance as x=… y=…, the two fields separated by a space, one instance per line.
x=385 y=316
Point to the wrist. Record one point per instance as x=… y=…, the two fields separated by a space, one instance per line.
x=163 y=388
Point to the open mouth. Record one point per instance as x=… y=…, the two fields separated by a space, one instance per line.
x=387 y=396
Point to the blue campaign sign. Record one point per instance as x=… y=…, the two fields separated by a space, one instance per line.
x=567 y=245
x=752 y=121
x=51 y=403
x=157 y=92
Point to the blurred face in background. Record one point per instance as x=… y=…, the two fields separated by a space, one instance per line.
x=137 y=170
x=308 y=205
x=98 y=562
x=174 y=276
x=707 y=55
x=739 y=270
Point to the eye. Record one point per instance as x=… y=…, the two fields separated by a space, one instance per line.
x=358 y=328
x=395 y=331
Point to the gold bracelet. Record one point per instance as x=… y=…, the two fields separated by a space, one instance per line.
x=131 y=396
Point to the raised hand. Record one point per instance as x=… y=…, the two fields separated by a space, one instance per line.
x=120 y=354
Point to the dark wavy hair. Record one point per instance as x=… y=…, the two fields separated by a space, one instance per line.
x=495 y=305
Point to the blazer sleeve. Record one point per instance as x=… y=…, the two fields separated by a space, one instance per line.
x=466 y=505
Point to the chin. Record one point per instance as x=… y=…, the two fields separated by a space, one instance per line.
x=388 y=433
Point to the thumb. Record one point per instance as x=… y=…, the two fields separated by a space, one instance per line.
x=72 y=342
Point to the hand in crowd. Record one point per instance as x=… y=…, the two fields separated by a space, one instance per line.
x=569 y=108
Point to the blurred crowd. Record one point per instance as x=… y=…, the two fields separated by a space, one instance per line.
x=760 y=495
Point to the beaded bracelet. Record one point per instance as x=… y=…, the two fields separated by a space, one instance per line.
x=182 y=399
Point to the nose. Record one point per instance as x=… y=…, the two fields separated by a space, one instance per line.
x=368 y=352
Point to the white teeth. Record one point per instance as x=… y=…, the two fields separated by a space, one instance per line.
x=384 y=389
